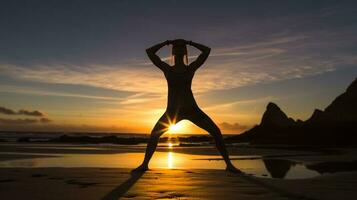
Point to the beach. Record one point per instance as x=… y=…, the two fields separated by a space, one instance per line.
x=36 y=171
x=99 y=183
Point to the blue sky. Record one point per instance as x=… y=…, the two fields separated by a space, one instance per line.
x=83 y=63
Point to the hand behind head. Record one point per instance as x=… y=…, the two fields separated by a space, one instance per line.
x=179 y=47
x=179 y=42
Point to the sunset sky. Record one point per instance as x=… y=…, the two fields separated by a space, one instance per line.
x=81 y=66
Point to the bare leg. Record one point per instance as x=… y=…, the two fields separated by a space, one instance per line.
x=205 y=122
x=160 y=128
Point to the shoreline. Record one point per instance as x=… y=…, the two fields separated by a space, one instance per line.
x=158 y=183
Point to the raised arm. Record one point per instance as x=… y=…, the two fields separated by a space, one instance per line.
x=151 y=52
x=202 y=57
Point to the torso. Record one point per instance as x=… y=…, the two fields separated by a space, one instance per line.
x=180 y=97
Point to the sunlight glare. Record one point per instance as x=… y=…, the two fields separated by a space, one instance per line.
x=175 y=128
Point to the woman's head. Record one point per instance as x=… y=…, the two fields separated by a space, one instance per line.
x=179 y=51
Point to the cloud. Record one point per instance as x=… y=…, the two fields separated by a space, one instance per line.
x=277 y=57
x=254 y=51
x=45 y=120
x=17 y=126
x=17 y=121
x=24 y=121
x=44 y=92
x=8 y=111
x=121 y=78
x=220 y=73
x=233 y=127
x=230 y=104
x=34 y=113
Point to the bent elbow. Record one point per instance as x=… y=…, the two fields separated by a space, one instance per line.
x=208 y=50
x=149 y=52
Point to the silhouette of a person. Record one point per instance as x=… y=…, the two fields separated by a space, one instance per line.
x=181 y=103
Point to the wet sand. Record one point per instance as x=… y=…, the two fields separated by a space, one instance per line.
x=112 y=149
x=89 y=183
x=108 y=183
x=119 y=183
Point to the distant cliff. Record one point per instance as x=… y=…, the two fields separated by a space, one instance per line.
x=336 y=125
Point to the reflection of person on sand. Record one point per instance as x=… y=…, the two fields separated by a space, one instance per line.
x=181 y=103
x=278 y=168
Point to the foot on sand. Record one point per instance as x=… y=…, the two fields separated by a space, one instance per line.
x=141 y=168
x=233 y=169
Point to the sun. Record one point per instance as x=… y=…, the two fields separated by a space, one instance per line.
x=175 y=128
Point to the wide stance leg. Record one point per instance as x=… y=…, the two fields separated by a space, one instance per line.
x=205 y=122
x=160 y=128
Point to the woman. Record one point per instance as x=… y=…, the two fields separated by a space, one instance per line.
x=181 y=103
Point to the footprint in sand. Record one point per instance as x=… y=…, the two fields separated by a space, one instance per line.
x=6 y=180
x=80 y=183
x=38 y=175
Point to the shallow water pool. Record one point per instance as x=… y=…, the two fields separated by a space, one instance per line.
x=255 y=165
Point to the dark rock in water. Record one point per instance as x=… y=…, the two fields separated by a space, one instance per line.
x=24 y=139
x=96 y=140
x=195 y=139
x=336 y=125
x=333 y=167
x=274 y=117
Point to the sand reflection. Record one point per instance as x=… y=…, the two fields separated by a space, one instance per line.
x=252 y=164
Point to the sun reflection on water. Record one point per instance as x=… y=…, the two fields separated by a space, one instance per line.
x=167 y=160
x=170 y=160
x=170 y=157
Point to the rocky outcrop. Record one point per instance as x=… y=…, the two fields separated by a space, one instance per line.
x=336 y=125
x=344 y=107
x=317 y=116
x=275 y=117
